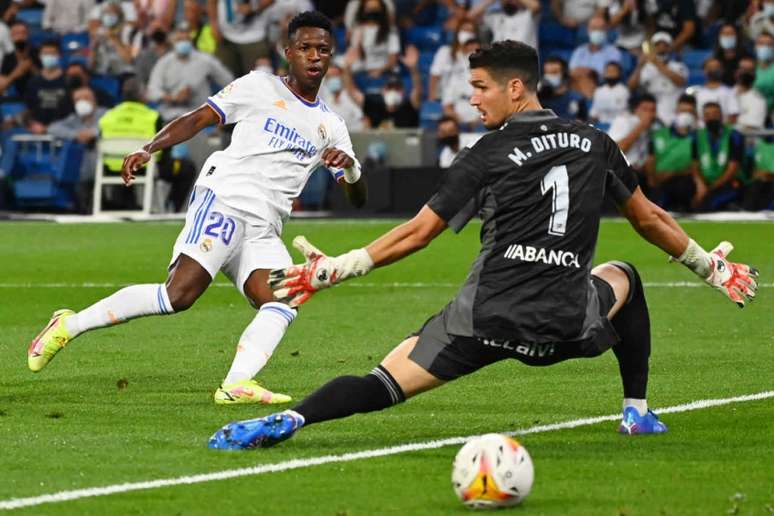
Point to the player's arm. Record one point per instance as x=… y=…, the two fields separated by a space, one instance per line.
x=178 y=130
x=736 y=280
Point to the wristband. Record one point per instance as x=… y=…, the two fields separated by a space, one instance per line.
x=696 y=259
x=352 y=174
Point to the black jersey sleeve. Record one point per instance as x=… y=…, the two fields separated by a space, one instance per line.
x=621 y=180
x=455 y=200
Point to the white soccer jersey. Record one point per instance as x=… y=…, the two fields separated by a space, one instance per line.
x=277 y=143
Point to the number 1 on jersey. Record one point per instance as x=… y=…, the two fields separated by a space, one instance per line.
x=556 y=180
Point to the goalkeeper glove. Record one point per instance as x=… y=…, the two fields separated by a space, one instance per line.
x=296 y=284
x=736 y=281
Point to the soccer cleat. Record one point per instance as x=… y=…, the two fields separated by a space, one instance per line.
x=633 y=423
x=262 y=432
x=53 y=338
x=248 y=391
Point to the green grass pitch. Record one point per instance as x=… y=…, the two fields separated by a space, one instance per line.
x=134 y=402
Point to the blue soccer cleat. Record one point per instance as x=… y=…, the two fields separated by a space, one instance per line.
x=261 y=432
x=633 y=423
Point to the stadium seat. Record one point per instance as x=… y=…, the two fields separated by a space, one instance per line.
x=40 y=36
x=45 y=171
x=694 y=59
x=340 y=35
x=552 y=34
x=367 y=84
x=109 y=84
x=426 y=39
x=10 y=109
x=75 y=42
x=429 y=114
x=32 y=17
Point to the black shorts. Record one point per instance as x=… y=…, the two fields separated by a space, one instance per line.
x=448 y=357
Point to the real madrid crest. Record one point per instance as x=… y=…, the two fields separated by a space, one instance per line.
x=322 y=132
x=206 y=245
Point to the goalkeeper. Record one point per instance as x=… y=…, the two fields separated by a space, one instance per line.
x=539 y=184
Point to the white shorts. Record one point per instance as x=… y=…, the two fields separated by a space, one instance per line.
x=221 y=238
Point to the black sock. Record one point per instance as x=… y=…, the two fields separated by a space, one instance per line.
x=347 y=395
x=632 y=323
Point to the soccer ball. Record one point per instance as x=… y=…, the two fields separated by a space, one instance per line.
x=492 y=471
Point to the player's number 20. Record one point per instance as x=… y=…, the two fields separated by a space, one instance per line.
x=221 y=227
x=557 y=181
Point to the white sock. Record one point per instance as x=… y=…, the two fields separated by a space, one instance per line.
x=640 y=405
x=127 y=303
x=259 y=340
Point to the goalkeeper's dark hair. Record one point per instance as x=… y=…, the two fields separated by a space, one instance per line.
x=309 y=19
x=506 y=60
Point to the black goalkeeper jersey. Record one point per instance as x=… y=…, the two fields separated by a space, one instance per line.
x=539 y=184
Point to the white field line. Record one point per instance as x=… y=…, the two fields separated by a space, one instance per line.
x=419 y=285
x=76 y=494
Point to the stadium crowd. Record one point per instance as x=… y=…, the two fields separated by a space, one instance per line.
x=685 y=87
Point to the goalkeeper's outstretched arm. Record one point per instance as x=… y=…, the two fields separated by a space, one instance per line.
x=736 y=280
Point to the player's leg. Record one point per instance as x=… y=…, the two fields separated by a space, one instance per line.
x=629 y=316
x=256 y=345
x=190 y=274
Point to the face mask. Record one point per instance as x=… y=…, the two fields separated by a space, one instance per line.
x=183 y=47
x=713 y=126
x=510 y=9
x=764 y=53
x=84 y=108
x=265 y=69
x=464 y=36
x=597 y=37
x=73 y=81
x=714 y=75
x=392 y=98
x=334 y=84
x=685 y=120
x=21 y=46
x=553 y=79
x=49 y=61
x=373 y=16
x=158 y=36
x=747 y=79
x=768 y=9
x=109 y=20
x=449 y=141
x=727 y=42
x=612 y=81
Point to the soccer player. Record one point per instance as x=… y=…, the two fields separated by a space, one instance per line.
x=539 y=183
x=242 y=197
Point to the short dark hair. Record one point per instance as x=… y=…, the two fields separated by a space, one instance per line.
x=51 y=43
x=557 y=60
x=634 y=102
x=687 y=98
x=447 y=118
x=616 y=64
x=711 y=104
x=309 y=19
x=509 y=59
x=17 y=21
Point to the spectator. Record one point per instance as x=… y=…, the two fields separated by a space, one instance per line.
x=660 y=74
x=150 y=55
x=179 y=81
x=575 y=13
x=342 y=97
x=354 y=7
x=518 y=20
x=762 y=22
x=114 y=43
x=239 y=29
x=455 y=98
x=752 y=105
x=6 y=42
x=20 y=65
x=627 y=18
x=393 y=108
x=717 y=153
x=759 y=192
x=631 y=131
x=555 y=93
x=201 y=30
x=78 y=76
x=46 y=94
x=715 y=91
x=677 y=18
x=448 y=135
x=374 y=46
x=278 y=16
x=764 y=74
x=451 y=60
x=729 y=49
x=159 y=13
x=127 y=10
x=67 y=16
x=668 y=168
x=592 y=57
x=612 y=98
x=82 y=126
